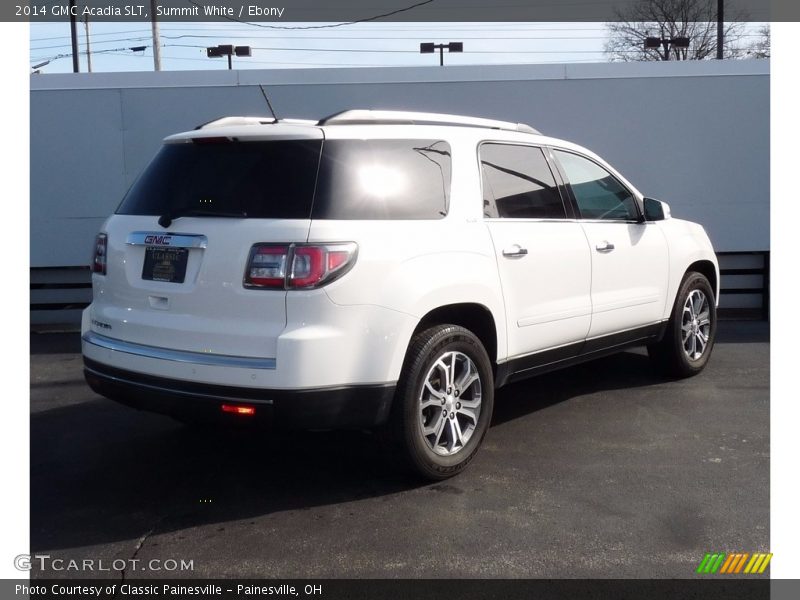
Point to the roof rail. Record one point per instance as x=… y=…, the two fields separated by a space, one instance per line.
x=394 y=117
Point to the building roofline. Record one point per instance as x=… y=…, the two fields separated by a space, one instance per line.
x=454 y=73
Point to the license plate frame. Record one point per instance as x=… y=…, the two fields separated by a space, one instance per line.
x=165 y=264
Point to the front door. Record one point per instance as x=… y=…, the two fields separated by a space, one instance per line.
x=630 y=259
x=543 y=258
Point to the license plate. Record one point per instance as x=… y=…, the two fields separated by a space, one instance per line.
x=165 y=264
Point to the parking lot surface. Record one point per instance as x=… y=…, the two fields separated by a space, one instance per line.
x=600 y=470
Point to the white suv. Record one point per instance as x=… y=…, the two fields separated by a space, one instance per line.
x=382 y=267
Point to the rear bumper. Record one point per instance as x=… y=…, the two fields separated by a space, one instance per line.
x=347 y=407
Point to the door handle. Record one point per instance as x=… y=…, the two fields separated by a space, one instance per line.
x=604 y=246
x=515 y=250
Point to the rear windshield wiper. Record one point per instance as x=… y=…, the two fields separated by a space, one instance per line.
x=166 y=219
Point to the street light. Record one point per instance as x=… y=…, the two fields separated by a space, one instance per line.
x=35 y=68
x=229 y=51
x=651 y=43
x=430 y=48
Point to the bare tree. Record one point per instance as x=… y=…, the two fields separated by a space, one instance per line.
x=761 y=47
x=669 y=19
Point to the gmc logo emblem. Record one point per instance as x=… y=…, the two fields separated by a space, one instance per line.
x=158 y=240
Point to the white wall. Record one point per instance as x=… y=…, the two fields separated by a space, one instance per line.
x=695 y=134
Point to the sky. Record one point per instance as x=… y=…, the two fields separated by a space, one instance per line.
x=356 y=45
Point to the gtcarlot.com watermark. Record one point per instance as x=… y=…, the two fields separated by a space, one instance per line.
x=44 y=562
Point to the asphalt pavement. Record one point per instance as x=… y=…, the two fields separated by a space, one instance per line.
x=600 y=470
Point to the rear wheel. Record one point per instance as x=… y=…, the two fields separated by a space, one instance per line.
x=689 y=338
x=444 y=400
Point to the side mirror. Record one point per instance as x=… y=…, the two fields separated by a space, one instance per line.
x=655 y=210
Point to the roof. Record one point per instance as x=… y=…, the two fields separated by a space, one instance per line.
x=375 y=117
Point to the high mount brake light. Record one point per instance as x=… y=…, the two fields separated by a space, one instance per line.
x=210 y=140
x=298 y=266
x=100 y=249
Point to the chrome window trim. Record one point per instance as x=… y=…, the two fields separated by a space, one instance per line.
x=197 y=358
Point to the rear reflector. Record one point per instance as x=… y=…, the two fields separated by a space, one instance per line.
x=239 y=409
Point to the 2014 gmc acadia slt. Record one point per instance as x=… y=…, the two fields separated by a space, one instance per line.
x=382 y=267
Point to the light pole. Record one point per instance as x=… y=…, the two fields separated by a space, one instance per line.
x=229 y=51
x=35 y=68
x=430 y=48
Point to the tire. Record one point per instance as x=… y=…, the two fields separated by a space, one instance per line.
x=682 y=353
x=440 y=426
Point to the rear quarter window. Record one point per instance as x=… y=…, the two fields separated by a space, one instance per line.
x=383 y=179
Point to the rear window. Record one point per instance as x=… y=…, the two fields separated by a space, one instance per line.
x=383 y=179
x=287 y=179
x=266 y=180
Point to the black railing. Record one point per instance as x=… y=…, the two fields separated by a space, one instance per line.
x=728 y=269
x=58 y=295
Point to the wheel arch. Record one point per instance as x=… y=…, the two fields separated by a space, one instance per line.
x=709 y=270
x=469 y=315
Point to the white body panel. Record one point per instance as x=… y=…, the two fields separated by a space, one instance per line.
x=356 y=330
x=629 y=282
x=211 y=311
x=544 y=309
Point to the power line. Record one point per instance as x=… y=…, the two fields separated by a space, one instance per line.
x=328 y=25
x=343 y=38
x=426 y=31
x=106 y=51
x=384 y=51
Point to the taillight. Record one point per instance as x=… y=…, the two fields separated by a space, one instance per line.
x=298 y=266
x=100 y=250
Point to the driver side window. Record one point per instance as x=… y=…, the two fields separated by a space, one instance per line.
x=598 y=193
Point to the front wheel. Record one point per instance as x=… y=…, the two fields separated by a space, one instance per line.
x=692 y=326
x=444 y=400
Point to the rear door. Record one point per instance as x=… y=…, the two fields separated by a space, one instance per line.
x=180 y=241
x=542 y=255
x=629 y=257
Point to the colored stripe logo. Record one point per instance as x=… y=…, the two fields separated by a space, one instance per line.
x=734 y=563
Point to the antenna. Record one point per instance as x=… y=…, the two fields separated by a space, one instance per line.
x=264 y=93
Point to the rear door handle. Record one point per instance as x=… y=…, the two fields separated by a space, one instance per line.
x=604 y=246
x=515 y=250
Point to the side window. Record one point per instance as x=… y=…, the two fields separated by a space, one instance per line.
x=383 y=179
x=518 y=183
x=598 y=194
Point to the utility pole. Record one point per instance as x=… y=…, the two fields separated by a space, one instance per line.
x=720 y=28
x=156 y=38
x=73 y=26
x=88 y=44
